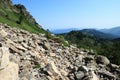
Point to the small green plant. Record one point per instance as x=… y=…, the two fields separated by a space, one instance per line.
x=36 y=66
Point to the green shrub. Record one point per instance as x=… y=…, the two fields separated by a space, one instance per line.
x=65 y=43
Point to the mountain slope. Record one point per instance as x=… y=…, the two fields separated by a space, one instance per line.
x=18 y=16
x=114 y=31
x=27 y=56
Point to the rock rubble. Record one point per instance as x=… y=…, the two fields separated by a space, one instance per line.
x=27 y=56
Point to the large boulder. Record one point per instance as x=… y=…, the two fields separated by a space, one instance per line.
x=102 y=59
x=4 y=57
x=52 y=69
x=8 y=70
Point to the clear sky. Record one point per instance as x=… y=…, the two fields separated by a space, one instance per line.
x=60 y=14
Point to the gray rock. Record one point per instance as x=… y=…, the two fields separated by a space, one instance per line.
x=107 y=74
x=114 y=66
x=52 y=69
x=89 y=57
x=3 y=33
x=80 y=58
x=8 y=70
x=52 y=54
x=93 y=76
x=46 y=46
x=83 y=68
x=79 y=75
x=14 y=58
x=102 y=59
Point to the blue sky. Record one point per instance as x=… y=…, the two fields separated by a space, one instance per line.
x=60 y=14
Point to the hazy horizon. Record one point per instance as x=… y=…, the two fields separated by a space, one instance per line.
x=64 y=14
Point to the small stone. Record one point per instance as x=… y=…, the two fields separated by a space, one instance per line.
x=46 y=46
x=63 y=72
x=80 y=58
x=94 y=76
x=24 y=45
x=79 y=75
x=52 y=54
x=81 y=52
x=89 y=58
x=24 y=78
x=83 y=68
x=20 y=39
x=3 y=33
x=14 y=49
x=114 y=66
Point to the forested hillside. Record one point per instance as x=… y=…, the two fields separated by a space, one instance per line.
x=106 y=47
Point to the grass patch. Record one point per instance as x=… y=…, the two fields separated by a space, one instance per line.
x=37 y=66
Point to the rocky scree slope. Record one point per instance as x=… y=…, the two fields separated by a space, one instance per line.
x=26 y=56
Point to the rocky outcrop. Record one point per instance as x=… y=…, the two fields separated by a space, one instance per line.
x=35 y=57
x=17 y=9
x=7 y=4
x=23 y=11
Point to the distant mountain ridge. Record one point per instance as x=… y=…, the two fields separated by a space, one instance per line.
x=59 y=31
x=102 y=33
x=114 y=31
x=98 y=34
